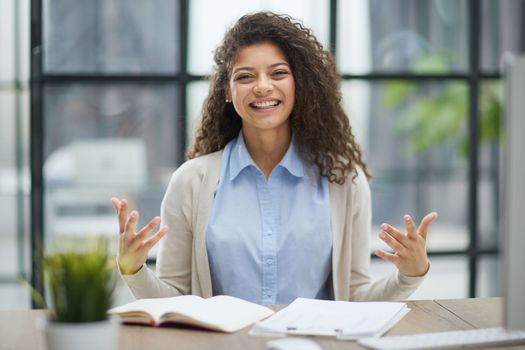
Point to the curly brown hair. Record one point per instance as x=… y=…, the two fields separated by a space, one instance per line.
x=320 y=126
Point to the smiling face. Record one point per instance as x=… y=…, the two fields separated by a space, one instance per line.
x=262 y=88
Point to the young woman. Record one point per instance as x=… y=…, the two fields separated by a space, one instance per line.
x=274 y=202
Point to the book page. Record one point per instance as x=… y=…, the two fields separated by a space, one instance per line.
x=156 y=307
x=223 y=313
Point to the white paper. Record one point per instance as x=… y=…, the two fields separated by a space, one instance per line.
x=347 y=320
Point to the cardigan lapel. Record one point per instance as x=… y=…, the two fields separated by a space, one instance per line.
x=338 y=207
x=202 y=215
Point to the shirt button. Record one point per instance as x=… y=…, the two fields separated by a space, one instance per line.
x=270 y=232
x=269 y=261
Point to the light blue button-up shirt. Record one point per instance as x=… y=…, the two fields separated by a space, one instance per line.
x=269 y=240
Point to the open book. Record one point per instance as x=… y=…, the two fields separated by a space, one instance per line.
x=343 y=319
x=219 y=313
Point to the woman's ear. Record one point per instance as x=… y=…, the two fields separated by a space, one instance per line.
x=228 y=96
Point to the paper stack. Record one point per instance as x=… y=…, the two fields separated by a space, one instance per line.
x=343 y=319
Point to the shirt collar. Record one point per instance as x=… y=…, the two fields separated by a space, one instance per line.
x=292 y=161
x=240 y=159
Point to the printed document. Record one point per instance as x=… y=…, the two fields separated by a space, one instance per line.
x=343 y=319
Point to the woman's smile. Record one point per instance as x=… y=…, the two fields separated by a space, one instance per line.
x=265 y=104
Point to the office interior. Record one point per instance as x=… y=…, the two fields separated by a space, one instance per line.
x=83 y=82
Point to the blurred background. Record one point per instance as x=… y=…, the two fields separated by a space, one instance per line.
x=100 y=98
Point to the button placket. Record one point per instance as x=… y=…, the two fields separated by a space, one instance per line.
x=269 y=268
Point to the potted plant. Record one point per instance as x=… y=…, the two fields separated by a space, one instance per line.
x=80 y=280
x=440 y=115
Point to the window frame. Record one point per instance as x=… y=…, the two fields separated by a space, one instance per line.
x=473 y=77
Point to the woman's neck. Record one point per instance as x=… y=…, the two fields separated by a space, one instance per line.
x=267 y=148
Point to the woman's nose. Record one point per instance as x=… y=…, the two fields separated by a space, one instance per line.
x=263 y=86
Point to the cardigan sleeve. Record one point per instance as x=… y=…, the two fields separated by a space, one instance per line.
x=362 y=288
x=173 y=275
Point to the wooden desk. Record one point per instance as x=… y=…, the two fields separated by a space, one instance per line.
x=18 y=330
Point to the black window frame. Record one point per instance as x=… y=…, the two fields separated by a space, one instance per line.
x=474 y=77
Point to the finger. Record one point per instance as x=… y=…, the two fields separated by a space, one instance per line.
x=131 y=226
x=410 y=226
x=391 y=242
x=395 y=233
x=387 y=256
x=116 y=204
x=123 y=215
x=148 y=228
x=427 y=220
x=150 y=242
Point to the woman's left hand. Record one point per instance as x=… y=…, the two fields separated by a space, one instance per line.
x=410 y=252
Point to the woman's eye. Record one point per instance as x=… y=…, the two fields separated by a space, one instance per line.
x=243 y=77
x=280 y=73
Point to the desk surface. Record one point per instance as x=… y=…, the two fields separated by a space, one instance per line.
x=18 y=329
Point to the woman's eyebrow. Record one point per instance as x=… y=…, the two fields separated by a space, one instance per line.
x=253 y=68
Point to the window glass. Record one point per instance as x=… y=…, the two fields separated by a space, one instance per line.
x=7 y=126
x=413 y=136
x=402 y=35
x=489 y=283
x=488 y=209
x=14 y=41
x=14 y=183
x=210 y=19
x=8 y=237
x=111 y=36
x=14 y=150
x=502 y=31
x=105 y=140
x=8 y=185
x=490 y=136
x=14 y=296
x=7 y=42
x=197 y=92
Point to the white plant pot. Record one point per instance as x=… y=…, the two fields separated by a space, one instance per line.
x=102 y=335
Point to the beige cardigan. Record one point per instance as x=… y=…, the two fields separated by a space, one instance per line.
x=182 y=262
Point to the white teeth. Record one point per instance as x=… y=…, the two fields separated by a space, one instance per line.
x=265 y=104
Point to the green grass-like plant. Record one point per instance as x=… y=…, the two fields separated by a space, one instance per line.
x=80 y=282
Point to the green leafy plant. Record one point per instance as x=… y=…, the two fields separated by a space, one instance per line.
x=441 y=114
x=80 y=282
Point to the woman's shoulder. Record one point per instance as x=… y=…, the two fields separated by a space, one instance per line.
x=355 y=178
x=358 y=176
x=355 y=185
x=362 y=187
x=201 y=163
x=195 y=173
x=199 y=166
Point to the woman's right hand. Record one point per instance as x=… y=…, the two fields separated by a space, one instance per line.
x=134 y=246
